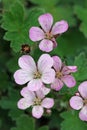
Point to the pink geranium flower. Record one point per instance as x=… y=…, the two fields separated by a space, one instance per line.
x=63 y=74
x=80 y=101
x=48 y=33
x=34 y=74
x=35 y=99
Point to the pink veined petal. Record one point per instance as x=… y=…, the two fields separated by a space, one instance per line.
x=54 y=42
x=83 y=89
x=27 y=94
x=26 y=62
x=69 y=81
x=45 y=90
x=36 y=34
x=37 y=111
x=24 y=103
x=48 y=76
x=65 y=70
x=83 y=113
x=69 y=69
x=57 y=84
x=59 y=27
x=46 y=45
x=72 y=68
x=47 y=103
x=46 y=21
x=22 y=76
x=45 y=61
x=42 y=92
x=76 y=102
x=34 y=85
x=57 y=63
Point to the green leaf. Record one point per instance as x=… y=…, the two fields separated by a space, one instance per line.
x=17 y=25
x=58 y=10
x=9 y=102
x=45 y=2
x=81 y=14
x=24 y=123
x=32 y=16
x=7 y=5
x=69 y=44
x=74 y=2
x=13 y=18
x=44 y=128
x=72 y=121
x=5 y=83
x=10 y=64
x=81 y=63
x=59 y=13
x=55 y=119
x=15 y=113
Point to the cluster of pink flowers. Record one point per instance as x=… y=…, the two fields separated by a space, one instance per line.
x=49 y=73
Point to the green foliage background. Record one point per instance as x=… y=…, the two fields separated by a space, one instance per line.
x=16 y=18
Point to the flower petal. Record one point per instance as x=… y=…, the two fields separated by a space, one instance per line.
x=26 y=62
x=65 y=70
x=45 y=61
x=72 y=68
x=76 y=102
x=59 y=27
x=57 y=63
x=48 y=76
x=23 y=103
x=83 y=89
x=37 y=111
x=34 y=85
x=54 y=42
x=36 y=34
x=57 y=84
x=46 y=45
x=47 y=103
x=69 y=81
x=27 y=94
x=69 y=69
x=83 y=113
x=45 y=90
x=22 y=76
x=46 y=21
x=42 y=92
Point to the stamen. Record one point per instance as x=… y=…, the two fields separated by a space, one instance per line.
x=59 y=74
x=37 y=101
x=85 y=101
x=49 y=35
x=37 y=75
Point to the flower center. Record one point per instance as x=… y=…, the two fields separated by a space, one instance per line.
x=37 y=75
x=85 y=101
x=37 y=101
x=59 y=74
x=49 y=35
